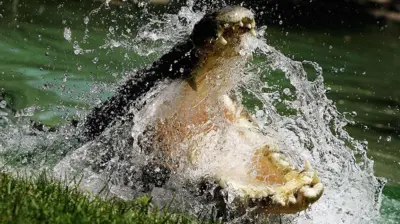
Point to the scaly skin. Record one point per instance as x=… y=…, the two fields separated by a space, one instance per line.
x=203 y=106
x=201 y=129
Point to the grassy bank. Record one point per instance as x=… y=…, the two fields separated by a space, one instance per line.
x=41 y=200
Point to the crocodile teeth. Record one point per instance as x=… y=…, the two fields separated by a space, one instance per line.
x=253 y=32
x=315 y=179
x=307 y=166
x=220 y=32
x=312 y=192
x=306 y=180
x=248 y=25
x=253 y=23
x=292 y=199
x=264 y=194
x=241 y=24
x=279 y=200
x=282 y=163
x=276 y=156
x=280 y=159
x=222 y=40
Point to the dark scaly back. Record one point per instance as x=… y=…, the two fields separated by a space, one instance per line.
x=177 y=64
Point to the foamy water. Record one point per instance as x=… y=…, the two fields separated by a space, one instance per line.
x=312 y=130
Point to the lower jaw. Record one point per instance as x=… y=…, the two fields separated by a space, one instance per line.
x=297 y=192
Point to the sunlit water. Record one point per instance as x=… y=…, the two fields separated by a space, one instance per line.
x=294 y=111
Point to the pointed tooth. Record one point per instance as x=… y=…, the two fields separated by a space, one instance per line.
x=304 y=189
x=248 y=25
x=273 y=149
x=219 y=33
x=242 y=193
x=276 y=156
x=241 y=24
x=300 y=195
x=253 y=32
x=279 y=200
x=259 y=195
x=253 y=23
x=223 y=184
x=313 y=193
x=306 y=180
x=264 y=194
x=319 y=188
x=283 y=163
x=222 y=40
x=251 y=194
x=291 y=175
x=316 y=179
x=307 y=166
x=292 y=199
x=226 y=25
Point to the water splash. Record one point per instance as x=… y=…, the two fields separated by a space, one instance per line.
x=157 y=35
x=278 y=92
x=316 y=130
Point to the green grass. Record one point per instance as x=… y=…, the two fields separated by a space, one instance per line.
x=43 y=200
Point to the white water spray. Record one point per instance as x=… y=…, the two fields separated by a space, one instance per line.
x=313 y=130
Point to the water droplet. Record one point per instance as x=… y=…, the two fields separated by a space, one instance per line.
x=95 y=60
x=389 y=138
x=115 y=43
x=47 y=53
x=86 y=20
x=259 y=113
x=111 y=29
x=330 y=47
x=328 y=89
x=67 y=33
x=287 y=92
x=3 y=104
x=280 y=22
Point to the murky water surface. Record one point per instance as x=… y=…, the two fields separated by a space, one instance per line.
x=59 y=60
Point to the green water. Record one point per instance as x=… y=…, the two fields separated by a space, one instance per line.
x=38 y=66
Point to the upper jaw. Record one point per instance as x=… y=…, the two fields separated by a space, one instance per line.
x=229 y=30
x=229 y=23
x=234 y=14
